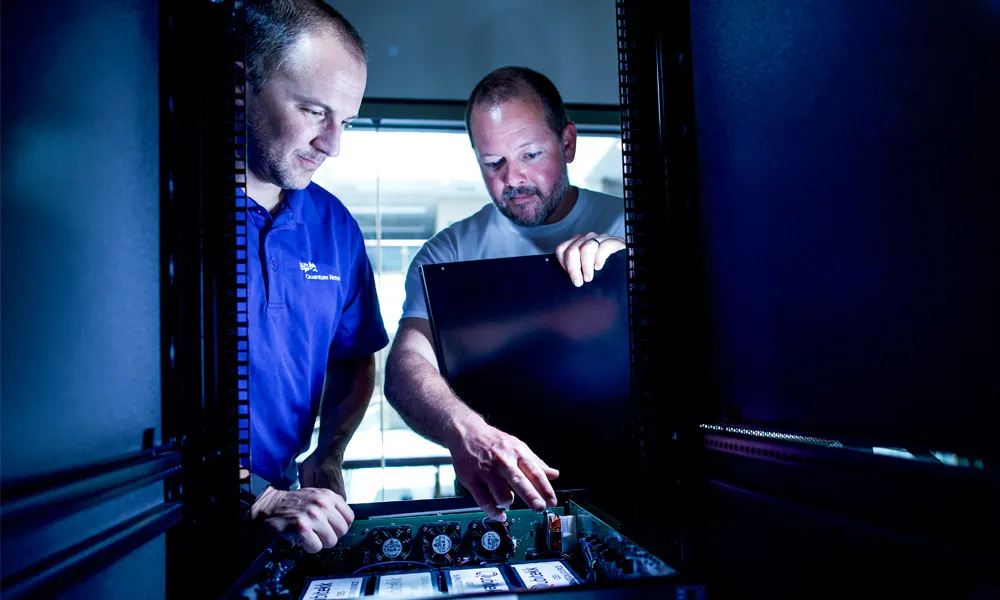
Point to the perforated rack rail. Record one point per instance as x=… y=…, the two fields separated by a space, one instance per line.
x=657 y=124
x=206 y=391
x=237 y=342
x=637 y=96
x=224 y=156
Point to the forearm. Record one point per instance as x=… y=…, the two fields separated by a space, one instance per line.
x=424 y=399
x=346 y=394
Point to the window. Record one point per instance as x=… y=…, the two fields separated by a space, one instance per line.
x=404 y=186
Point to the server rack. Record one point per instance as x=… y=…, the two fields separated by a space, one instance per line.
x=759 y=502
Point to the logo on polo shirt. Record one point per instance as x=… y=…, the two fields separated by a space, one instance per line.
x=311 y=272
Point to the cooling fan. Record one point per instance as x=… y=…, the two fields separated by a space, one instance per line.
x=441 y=543
x=491 y=540
x=390 y=543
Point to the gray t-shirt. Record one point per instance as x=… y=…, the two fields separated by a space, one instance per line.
x=488 y=234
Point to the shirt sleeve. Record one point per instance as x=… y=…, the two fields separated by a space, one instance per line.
x=360 y=331
x=439 y=249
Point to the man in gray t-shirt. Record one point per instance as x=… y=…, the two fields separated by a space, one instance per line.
x=489 y=234
x=523 y=140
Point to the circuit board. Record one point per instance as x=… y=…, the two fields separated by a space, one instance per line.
x=457 y=539
x=456 y=551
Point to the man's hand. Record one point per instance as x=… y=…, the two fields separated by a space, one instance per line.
x=313 y=517
x=491 y=463
x=583 y=254
x=323 y=472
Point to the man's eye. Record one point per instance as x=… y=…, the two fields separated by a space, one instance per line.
x=348 y=125
x=314 y=113
x=532 y=155
x=494 y=164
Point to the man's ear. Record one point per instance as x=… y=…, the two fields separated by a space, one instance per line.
x=569 y=141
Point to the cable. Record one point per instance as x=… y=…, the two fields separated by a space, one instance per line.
x=412 y=563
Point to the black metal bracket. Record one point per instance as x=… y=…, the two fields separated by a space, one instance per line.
x=33 y=505
x=49 y=497
x=72 y=564
x=948 y=508
x=662 y=241
x=206 y=391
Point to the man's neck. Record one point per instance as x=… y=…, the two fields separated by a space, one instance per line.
x=565 y=205
x=265 y=194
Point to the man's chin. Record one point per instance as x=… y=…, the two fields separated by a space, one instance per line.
x=300 y=182
x=531 y=218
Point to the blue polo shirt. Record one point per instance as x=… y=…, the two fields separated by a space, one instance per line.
x=311 y=295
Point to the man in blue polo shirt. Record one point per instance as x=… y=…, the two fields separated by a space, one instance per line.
x=315 y=323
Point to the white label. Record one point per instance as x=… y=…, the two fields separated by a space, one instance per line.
x=392 y=547
x=321 y=589
x=441 y=544
x=545 y=574
x=485 y=579
x=491 y=540
x=406 y=585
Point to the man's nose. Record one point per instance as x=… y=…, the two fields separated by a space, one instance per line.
x=513 y=175
x=328 y=142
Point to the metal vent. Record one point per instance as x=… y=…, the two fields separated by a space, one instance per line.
x=773 y=435
x=757 y=449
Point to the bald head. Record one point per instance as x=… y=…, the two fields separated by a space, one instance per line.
x=518 y=83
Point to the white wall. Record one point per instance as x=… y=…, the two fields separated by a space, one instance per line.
x=440 y=49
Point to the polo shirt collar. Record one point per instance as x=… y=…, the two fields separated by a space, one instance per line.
x=297 y=206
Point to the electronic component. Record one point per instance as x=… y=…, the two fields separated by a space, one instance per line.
x=491 y=541
x=387 y=544
x=272 y=584
x=545 y=574
x=410 y=584
x=588 y=559
x=467 y=580
x=457 y=552
x=326 y=588
x=552 y=530
x=441 y=543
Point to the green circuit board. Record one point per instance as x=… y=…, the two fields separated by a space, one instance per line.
x=374 y=544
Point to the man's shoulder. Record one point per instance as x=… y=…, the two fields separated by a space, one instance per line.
x=603 y=200
x=327 y=205
x=454 y=241
x=469 y=228
x=473 y=224
x=602 y=212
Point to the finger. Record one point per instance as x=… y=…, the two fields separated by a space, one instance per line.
x=608 y=247
x=484 y=500
x=542 y=478
x=338 y=521
x=334 y=503
x=310 y=541
x=521 y=482
x=572 y=263
x=534 y=471
x=550 y=473
x=561 y=250
x=588 y=256
x=280 y=525
x=322 y=527
x=500 y=491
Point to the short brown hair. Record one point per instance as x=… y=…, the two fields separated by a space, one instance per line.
x=274 y=26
